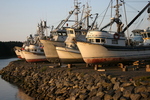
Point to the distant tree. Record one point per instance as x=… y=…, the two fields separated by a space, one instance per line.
x=6 y=48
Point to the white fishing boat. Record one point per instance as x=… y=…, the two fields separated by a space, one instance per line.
x=18 y=51
x=70 y=53
x=107 y=47
x=33 y=52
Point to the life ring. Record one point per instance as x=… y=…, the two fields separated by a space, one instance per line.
x=116 y=36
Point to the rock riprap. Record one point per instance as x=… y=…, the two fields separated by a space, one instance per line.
x=40 y=81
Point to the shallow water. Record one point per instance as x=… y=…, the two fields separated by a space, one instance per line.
x=7 y=90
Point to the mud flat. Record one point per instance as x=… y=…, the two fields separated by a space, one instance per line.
x=42 y=82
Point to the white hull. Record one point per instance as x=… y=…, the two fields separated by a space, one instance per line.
x=69 y=55
x=34 y=57
x=18 y=52
x=50 y=49
x=99 y=54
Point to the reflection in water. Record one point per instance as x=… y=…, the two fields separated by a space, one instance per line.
x=23 y=96
x=9 y=91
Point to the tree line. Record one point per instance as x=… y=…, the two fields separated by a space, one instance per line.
x=7 y=48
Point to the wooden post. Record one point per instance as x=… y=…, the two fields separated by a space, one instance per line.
x=69 y=65
x=147 y=68
x=95 y=67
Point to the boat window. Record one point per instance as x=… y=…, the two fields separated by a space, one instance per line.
x=77 y=33
x=102 y=40
x=97 y=40
x=145 y=35
x=83 y=33
x=92 y=40
x=89 y=40
x=64 y=34
x=59 y=34
x=71 y=31
x=114 y=41
x=148 y=34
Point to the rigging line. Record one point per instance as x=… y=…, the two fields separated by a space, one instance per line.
x=142 y=20
x=136 y=1
x=132 y=7
x=126 y=21
x=111 y=15
x=105 y=14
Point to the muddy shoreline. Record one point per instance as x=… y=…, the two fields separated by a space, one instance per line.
x=41 y=81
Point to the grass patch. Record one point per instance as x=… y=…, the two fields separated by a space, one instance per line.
x=42 y=69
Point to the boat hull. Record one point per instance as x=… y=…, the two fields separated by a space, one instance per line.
x=34 y=57
x=69 y=56
x=100 y=54
x=50 y=50
x=18 y=52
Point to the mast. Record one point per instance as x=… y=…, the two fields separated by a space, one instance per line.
x=76 y=5
x=116 y=19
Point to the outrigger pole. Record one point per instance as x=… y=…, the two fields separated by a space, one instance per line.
x=135 y=17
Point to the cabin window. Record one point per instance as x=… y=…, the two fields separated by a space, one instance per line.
x=114 y=41
x=102 y=40
x=64 y=34
x=148 y=34
x=97 y=40
x=59 y=34
x=83 y=33
x=89 y=40
x=77 y=33
x=92 y=40
x=145 y=35
x=71 y=31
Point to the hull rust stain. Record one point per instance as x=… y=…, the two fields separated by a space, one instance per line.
x=103 y=60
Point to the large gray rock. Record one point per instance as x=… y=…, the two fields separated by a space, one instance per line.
x=145 y=94
x=135 y=96
x=108 y=97
x=117 y=95
x=128 y=91
x=139 y=89
x=96 y=98
x=125 y=84
x=116 y=85
x=100 y=94
x=93 y=93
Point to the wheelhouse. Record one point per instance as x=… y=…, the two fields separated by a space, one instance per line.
x=105 y=38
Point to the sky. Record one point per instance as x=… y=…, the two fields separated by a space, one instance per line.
x=19 y=18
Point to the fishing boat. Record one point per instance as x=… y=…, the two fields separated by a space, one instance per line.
x=18 y=51
x=107 y=47
x=33 y=52
x=59 y=34
x=70 y=53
